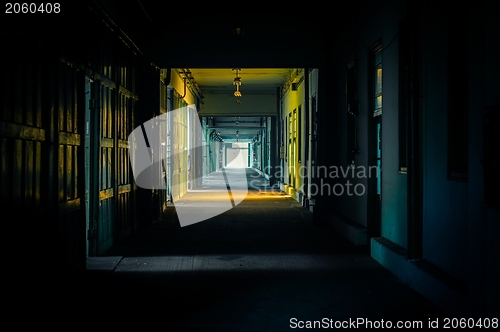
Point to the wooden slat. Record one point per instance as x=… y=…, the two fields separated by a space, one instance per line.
x=69 y=173
x=18 y=131
x=119 y=112
x=125 y=162
x=74 y=104
x=38 y=174
x=105 y=194
x=123 y=116
x=104 y=110
x=106 y=231
x=6 y=167
x=115 y=161
x=110 y=113
x=69 y=139
x=129 y=94
x=110 y=169
x=67 y=62
x=120 y=167
x=126 y=107
x=17 y=174
x=124 y=189
x=60 y=177
x=51 y=161
x=123 y=144
x=60 y=102
x=108 y=143
x=102 y=78
x=103 y=169
x=69 y=206
x=76 y=171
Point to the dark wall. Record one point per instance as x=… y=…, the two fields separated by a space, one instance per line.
x=44 y=129
x=440 y=211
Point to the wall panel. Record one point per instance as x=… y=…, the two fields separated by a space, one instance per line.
x=42 y=125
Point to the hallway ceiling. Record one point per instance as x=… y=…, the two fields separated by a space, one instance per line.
x=254 y=81
x=266 y=47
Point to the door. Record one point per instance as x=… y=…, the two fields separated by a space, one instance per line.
x=105 y=224
x=375 y=178
x=291 y=146
x=378 y=153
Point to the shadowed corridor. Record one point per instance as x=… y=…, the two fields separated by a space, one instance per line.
x=252 y=268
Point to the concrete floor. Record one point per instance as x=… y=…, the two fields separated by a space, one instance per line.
x=256 y=267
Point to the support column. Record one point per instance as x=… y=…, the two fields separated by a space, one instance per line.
x=273 y=151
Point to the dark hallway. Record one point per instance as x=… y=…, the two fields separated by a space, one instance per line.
x=253 y=268
x=266 y=171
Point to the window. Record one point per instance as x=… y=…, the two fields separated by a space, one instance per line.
x=405 y=82
x=377 y=79
x=376 y=122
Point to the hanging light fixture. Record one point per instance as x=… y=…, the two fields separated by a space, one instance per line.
x=237 y=82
